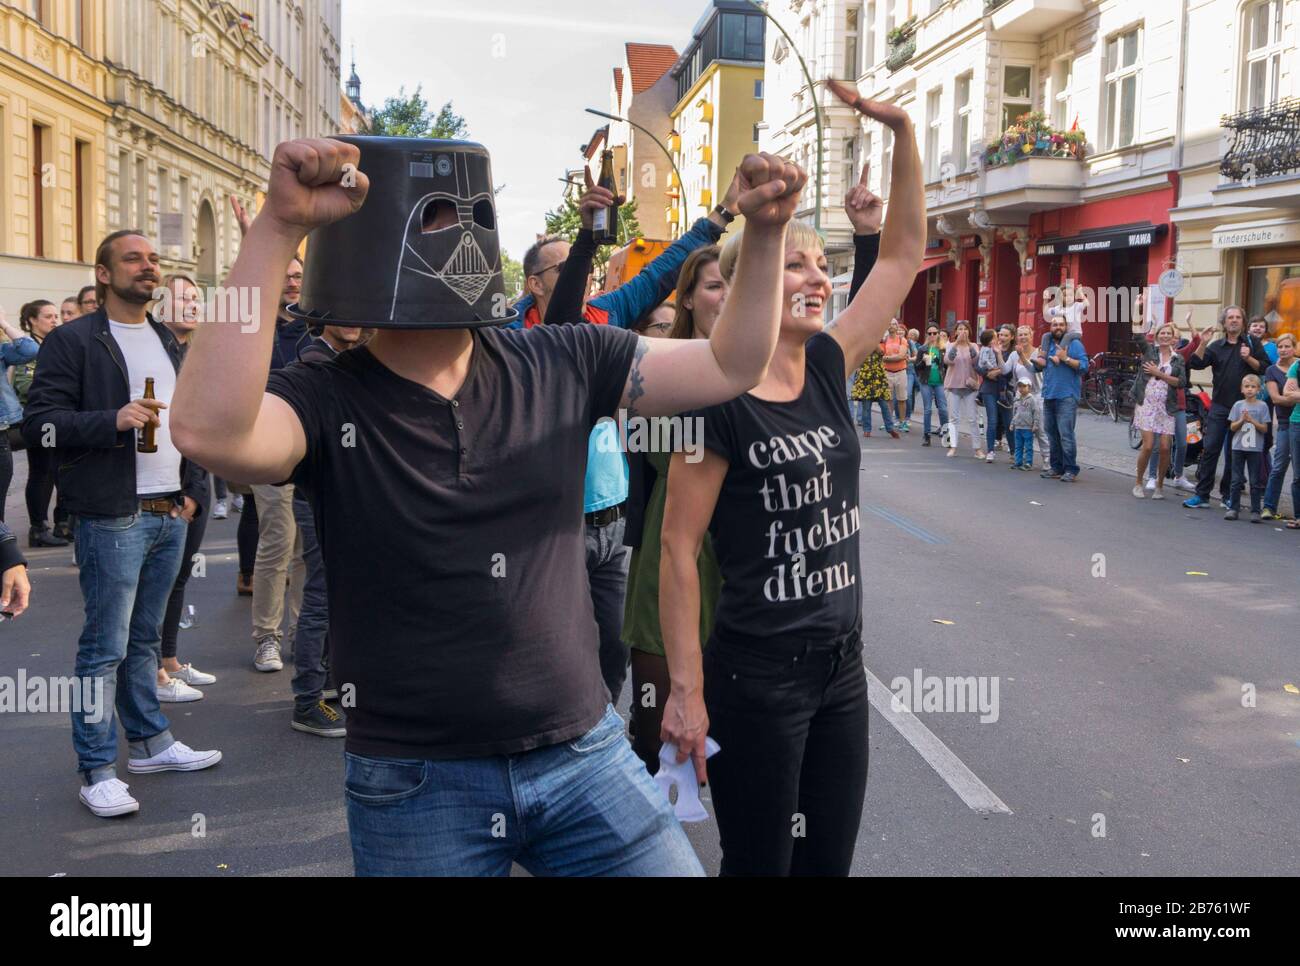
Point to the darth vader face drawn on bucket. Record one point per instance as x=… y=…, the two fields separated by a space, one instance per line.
x=423 y=251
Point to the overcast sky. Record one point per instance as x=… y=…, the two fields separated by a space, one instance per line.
x=520 y=72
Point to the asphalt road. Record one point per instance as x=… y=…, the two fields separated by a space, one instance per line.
x=1120 y=698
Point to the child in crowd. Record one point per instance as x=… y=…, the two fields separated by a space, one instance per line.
x=1024 y=423
x=1249 y=422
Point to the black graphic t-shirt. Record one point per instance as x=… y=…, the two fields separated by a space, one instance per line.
x=453 y=539
x=785 y=529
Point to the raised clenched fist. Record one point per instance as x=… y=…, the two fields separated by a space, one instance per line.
x=769 y=190
x=313 y=182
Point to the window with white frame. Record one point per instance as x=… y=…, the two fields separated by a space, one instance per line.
x=961 y=121
x=933 y=124
x=1062 y=82
x=1017 y=92
x=1263 y=54
x=852 y=40
x=1120 y=90
x=869 y=36
x=849 y=167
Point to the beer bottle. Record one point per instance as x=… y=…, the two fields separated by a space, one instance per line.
x=604 y=225
x=147 y=443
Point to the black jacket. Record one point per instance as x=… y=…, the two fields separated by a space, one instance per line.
x=80 y=384
x=10 y=555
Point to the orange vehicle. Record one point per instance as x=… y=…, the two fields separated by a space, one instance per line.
x=627 y=261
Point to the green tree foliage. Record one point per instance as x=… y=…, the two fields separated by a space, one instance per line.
x=565 y=221
x=512 y=273
x=410 y=117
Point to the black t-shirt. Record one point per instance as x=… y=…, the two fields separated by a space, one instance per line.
x=785 y=528
x=1224 y=358
x=453 y=539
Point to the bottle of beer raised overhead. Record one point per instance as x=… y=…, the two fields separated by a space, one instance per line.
x=146 y=442
x=604 y=225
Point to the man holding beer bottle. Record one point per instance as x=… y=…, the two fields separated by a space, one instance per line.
x=100 y=395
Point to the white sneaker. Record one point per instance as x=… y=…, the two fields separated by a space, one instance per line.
x=1158 y=495
x=1183 y=483
x=176 y=690
x=108 y=798
x=192 y=675
x=988 y=457
x=178 y=757
x=220 y=510
x=267 y=656
x=238 y=503
x=1151 y=483
x=1139 y=492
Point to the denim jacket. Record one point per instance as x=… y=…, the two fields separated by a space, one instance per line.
x=1177 y=369
x=13 y=354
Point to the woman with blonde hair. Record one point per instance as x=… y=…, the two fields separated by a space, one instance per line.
x=1155 y=398
x=781 y=686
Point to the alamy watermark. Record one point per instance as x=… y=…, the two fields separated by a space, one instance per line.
x=654 y=434
x=930 y=693
x=22 y=694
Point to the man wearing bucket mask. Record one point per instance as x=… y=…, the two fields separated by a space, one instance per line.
x=479 y=730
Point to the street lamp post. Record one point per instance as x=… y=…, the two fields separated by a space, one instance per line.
x=817 y=111
x=662 y=146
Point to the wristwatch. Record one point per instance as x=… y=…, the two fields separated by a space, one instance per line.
x=724 y=214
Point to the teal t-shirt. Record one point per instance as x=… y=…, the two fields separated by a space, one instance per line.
x=1292 y=374
x=606 y=481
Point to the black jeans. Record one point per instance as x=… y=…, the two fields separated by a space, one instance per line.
x=1215 y=434
x=41 y=462
x=6 y=470
x=1243 y=460
x=246 y=536
x=789 y=780
x=176 y=602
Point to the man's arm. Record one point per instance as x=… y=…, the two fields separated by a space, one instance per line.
x=859 y=327
x=567 y=299
x=650 y=286
x=222 y=415
x=1080 y=355
x=671 y=375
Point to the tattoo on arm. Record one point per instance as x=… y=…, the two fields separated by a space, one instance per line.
x=635 y=381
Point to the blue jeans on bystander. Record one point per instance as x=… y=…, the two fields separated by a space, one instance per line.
x=127 y=567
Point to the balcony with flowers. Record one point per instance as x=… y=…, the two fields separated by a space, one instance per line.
x=1033 y=166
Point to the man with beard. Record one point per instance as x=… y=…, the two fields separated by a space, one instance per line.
x=1237 y=355
x=133 y=509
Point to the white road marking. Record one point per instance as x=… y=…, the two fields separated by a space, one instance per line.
x=939 y=756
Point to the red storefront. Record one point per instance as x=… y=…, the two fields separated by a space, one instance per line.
x=1115 y=248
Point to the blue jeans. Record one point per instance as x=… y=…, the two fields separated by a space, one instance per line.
x=864 y=414
x=313 y=618
x=991 y=426
x=1293 y=433
x=1281 y=460
x=127 y=568
x=607 y=561
x=1059 y=417
x=580 y=808
x=1024 y=447
x=930 y=396
x=912 y=383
